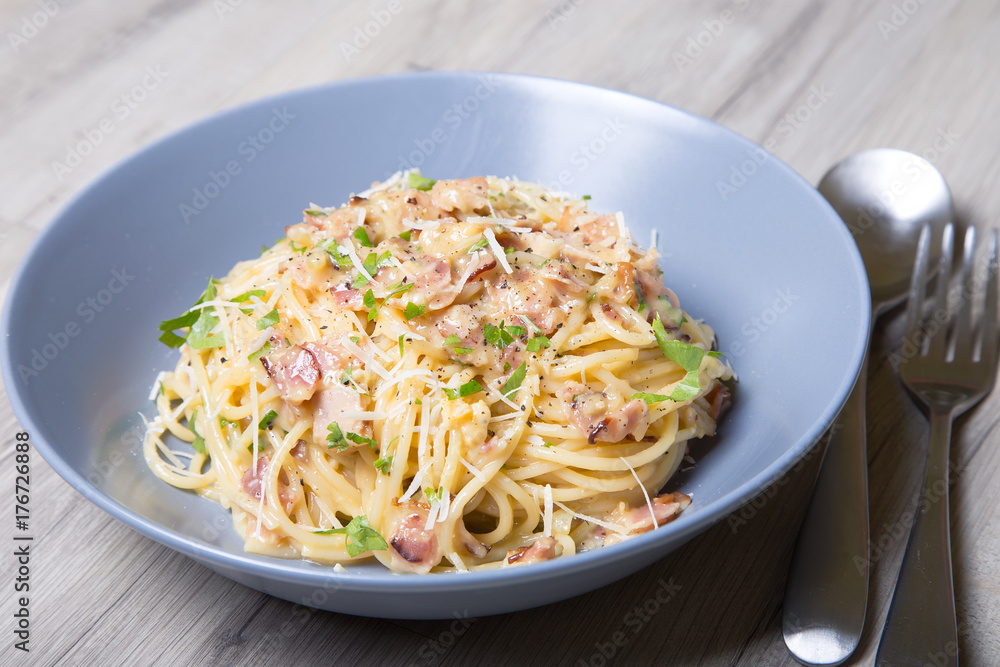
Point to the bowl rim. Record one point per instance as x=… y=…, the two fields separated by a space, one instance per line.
x=681 y=530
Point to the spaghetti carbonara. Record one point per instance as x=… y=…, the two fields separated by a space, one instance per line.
x=443 y=375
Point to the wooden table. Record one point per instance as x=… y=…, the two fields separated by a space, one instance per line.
x=819 y=79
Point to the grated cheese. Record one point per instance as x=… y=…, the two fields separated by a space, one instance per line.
x=603 y=524
x=476 y=472
x=348 y=249
x=497 y=249
x=415 y=483
x=547 y=516
x=652 y=515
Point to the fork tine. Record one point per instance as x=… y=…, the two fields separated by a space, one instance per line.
x=988 y=353
x=939 y=309
x=963 y=323
x=918 y=286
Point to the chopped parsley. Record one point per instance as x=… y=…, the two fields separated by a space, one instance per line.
x=268 y=320
x=332 y=248
x=650 y=398
x=419 y=182
x=467 y=389
x=585 y=197
x=435 y=495
x=369 y=303
x=314 y=212
x=503 y=335
x=685 y=355
x=372 y=263
x=383 y=464
x=203 y=320
x=400 y=344
x=537 y=343
x=362 y=236
x=199 y=443
x=406 y=235
x=301 y=249
x=413 y=310
x=360 y=537
x=267 y=420
x=247 y=295
x=338 y=439
x=397 y=289
x=479 y=245
x=513 y=383
x=264 y=349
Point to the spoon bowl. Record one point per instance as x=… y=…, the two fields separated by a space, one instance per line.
x=885 y=196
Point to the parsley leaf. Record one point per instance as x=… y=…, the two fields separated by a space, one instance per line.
x=503 y=335
x=190 y=319
x=585 y=197
x=372 y=263
x=332 y=248
x=513 y=383
x=462 y=350
x=537 y=343
x=397 y=289
x=264 y=349
x=649 y=398
x=315 y=212
x=369 y=303
x=361 y=537
x=336 y=438
x=400 y=344
x=383 y=464
x=478 y=245
x=361 y=440
x=413 y=310
x=687 y=356
x=246 y=295
x=362 y=236
x=467 y=389
x=421 y=182
x=268 y=320
x=199 y=443
x=267 y=420
x=198 y=336
x=453 y=339
x=406 y=235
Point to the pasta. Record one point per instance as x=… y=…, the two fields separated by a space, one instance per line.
x=443 y=375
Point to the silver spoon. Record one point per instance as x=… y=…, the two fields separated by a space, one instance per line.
x=884 y=196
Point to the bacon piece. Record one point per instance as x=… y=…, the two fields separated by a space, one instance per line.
x=329 y=405
x=602 y=419
x=347 y=298
x=542 y=549
x=295 y=371
x=414 y=549
x=718 y=400
x=666 y=508
x=465 y=194
x=253 y=484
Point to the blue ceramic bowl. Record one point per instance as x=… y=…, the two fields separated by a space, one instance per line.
x=747 y=244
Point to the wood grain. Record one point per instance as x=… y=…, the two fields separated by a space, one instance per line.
x=819 y=79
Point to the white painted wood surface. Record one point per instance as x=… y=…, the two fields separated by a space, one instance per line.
x=821 y=79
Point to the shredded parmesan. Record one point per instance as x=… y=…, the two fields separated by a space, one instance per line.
x=603 y=524
x=652 y=515
x=476 y=472
x=348 y=249
x=547 y=516
x=497 y=249
x=415 y=483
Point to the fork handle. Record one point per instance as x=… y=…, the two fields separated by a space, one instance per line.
x=921 y=626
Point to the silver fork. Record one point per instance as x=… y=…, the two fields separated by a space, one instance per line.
x=957 y=369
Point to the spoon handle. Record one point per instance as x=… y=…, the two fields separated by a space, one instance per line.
x=827 y=590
